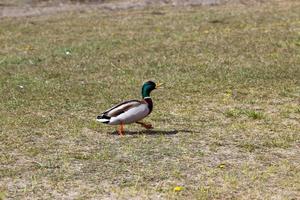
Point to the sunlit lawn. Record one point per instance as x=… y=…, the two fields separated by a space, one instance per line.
x=226 y=123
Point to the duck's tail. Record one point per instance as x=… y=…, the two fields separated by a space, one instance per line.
x=103 y=118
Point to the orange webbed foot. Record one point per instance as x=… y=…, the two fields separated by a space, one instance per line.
x=147 y=126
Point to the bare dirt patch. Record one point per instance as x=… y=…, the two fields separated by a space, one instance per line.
x=44 y=7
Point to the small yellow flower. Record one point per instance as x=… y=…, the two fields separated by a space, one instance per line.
x=222 y=166
x=29 y=48
x=178 y=188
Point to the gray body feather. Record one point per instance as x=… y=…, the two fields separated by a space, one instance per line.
x=126 y=112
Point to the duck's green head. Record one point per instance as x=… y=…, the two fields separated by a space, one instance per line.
x=148 y=87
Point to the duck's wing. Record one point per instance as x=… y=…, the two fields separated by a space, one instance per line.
x=121 y=108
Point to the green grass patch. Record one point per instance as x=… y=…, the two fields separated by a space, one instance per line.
x=238 y=112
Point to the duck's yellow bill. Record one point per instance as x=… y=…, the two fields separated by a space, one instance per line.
x=158 y=85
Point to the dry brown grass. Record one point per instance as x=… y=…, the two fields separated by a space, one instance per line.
x=226 y=124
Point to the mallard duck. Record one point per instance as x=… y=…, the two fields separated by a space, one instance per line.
x=132 y=111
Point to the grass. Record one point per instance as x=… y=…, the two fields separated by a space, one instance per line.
x=249 y=113
x=46 y=2
x=226 y=124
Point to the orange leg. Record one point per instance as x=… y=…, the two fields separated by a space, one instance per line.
x=147 y=126
x=121 y=129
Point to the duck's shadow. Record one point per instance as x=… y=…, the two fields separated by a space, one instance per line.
x=147 y=132
x=151 y=132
